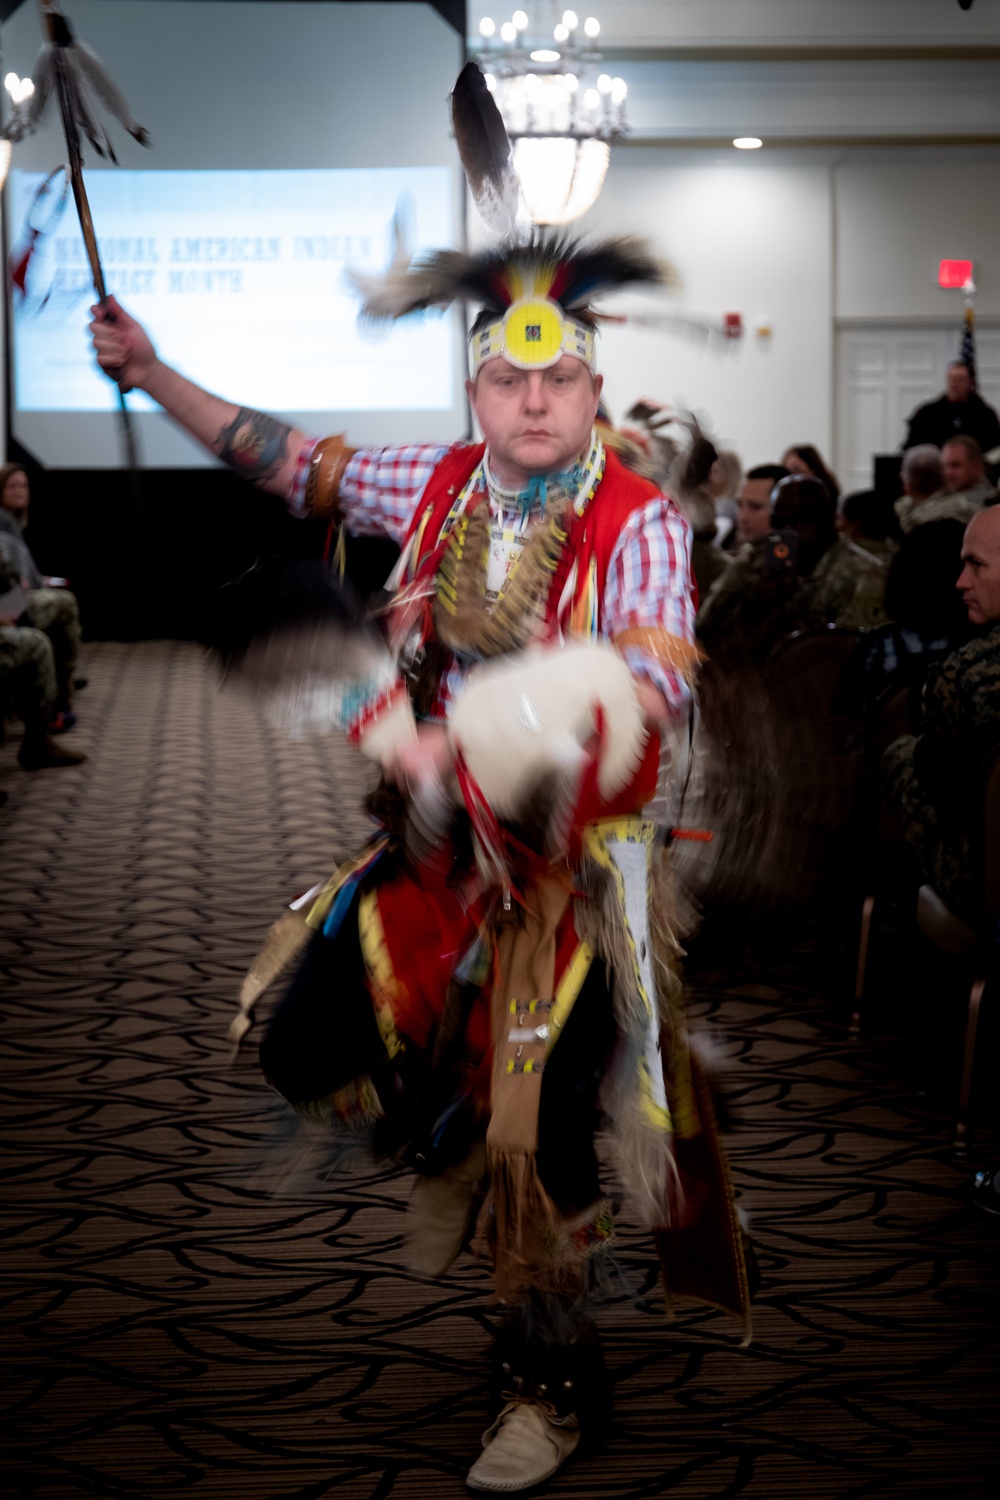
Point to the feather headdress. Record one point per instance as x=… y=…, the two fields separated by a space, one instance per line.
x=484 y=147
x=535 y=297
x=534 y=289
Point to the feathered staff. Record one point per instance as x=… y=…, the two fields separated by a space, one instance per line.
x=77 y=75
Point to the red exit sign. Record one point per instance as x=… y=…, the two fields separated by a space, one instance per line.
x=954 y=273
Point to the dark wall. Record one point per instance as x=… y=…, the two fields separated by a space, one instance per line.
x=147 y=557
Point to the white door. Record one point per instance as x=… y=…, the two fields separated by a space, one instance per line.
x=883 y=372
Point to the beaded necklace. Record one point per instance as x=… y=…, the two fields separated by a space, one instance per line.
x=468 y=618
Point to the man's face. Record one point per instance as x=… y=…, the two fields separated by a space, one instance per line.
x=958 y=383
x=753 y=509
x=959 y=468
x=15 y=495
x=534 y=421
x=979 y=579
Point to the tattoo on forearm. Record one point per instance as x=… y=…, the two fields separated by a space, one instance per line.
x=254 y=444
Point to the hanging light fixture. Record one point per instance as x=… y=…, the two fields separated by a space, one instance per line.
x=20 y=92
x=562 y=113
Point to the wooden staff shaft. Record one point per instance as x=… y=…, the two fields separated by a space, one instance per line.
x=76 y=175
x=71 y=132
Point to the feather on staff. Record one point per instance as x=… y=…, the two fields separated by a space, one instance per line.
x=68 y=67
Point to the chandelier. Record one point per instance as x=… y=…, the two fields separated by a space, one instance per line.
x=561 y=112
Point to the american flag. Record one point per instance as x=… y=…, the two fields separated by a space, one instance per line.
x=967 y=348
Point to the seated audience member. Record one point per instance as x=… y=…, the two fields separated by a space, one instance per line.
x=846 y=585
x=927 y=619
x=933 y=780
x=803 y=458
x=53 y=610
x=753 y=503
x=28 y=676
x=921 y=591
x=15 y=496
x=754 y=604
x=701 y=473
x=960 y=409
x=708 y=560
x=800 y=576
x=725 y=479
x=869 y=519
x=16 y=554
x=924 y=497
x=965 y=472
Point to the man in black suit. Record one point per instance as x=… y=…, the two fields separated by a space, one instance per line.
x=959 y=410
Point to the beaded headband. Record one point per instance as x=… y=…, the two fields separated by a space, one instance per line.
x=534 y=333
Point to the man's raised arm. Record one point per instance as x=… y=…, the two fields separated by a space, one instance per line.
x=257 y=447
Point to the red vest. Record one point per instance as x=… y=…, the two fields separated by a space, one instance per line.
x=592 y=535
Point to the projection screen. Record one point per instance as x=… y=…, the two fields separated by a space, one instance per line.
x=287 y=139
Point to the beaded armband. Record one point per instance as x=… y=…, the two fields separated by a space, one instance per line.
x=326 y=469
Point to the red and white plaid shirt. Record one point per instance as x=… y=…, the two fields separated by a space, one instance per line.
x=649 y=575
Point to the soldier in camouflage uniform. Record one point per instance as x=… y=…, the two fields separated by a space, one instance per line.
x=28 y=685
x=54 y=611
x=747 y=609
x=801 y=576
x=933 y=782
x=846 y=588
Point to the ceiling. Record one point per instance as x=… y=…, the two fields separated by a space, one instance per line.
x=795 y=72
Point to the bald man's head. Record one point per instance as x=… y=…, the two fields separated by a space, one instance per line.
x=979 y=579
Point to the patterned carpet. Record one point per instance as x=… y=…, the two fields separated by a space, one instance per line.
x=174 y=1326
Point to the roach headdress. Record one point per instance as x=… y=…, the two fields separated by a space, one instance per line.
x=535 y=297
x=535 y=289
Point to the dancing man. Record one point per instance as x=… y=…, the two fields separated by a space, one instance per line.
x=492 y=979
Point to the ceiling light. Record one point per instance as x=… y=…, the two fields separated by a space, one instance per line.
x=748 y=142
x=561 y=112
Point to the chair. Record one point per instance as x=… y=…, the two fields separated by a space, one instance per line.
x=819 y=744
x=892 y=717
x=817 y=738
x=977 y=945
